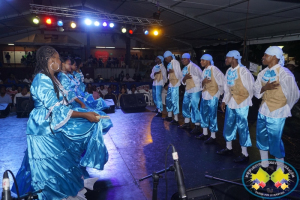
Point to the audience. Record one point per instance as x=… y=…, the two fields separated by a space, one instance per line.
x=112 y=79
x=4 y=98
x=102 y=90
x=133 y=90
x=127 y=78
x=110 y=95
x=23 y=93
x=11 y=80
x=88 y=79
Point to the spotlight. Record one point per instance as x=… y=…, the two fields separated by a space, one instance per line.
x=111 y=25
x=104 y=24
x=88 y=22
x=130 y=32
x=96 y=23
x=60 y=23
x=36 y=20
x=48 y=21
x=73 y=25
x=123 y=29
x=155 y=33
x=146 y=32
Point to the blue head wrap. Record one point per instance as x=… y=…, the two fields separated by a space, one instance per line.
x=161 y=58
x=276 y=51
x=208 y=57
x=186 y=55
x=168 y=53
x=236 y=55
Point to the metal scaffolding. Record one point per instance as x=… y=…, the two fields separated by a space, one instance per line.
x=74 y=13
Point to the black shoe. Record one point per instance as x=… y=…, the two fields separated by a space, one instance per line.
x=156 y=110
x=168 y=119
x=202 y=137
x=210 y=140
x=158 y=114
x=241 y=158
x=196 y=130
x=185 y=126
x=225 y=152
x=174 y=122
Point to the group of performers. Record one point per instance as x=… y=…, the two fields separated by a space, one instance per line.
x=64 y=131
x=275 y=85
x=66 y=127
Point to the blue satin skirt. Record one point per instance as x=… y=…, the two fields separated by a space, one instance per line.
x=172 y=100
x=190 y=106
x=156 y=93
x=54 y=162
x=268 y=135
x=208 y=114
x=89 y=101
x=236 y=120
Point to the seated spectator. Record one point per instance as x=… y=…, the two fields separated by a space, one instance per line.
x=12 y=91
x=114 y=90
x=102 y=90
x=99 y=79
x=112 y=79
x=127 y=78
x=121 y=76
x=133 y=91
x=24 y=93
x=27 y=79
x=88 y=79
x=110 y=95
x=5 y=102
x=11 y=80
x=93 y=90
x=19 y=89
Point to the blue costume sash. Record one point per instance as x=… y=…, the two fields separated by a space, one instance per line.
x=232 y=75
x=270 y=75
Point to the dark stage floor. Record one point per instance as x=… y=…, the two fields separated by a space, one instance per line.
x=137 y=145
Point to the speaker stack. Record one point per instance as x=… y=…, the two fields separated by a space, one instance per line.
x=133 y=102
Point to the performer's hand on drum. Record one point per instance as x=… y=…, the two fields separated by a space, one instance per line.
x=92 y=116
x=223 y=105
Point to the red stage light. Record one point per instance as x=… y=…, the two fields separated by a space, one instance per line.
x=49 y=21
x=130 y=32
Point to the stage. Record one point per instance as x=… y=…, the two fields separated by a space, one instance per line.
x=137 y=145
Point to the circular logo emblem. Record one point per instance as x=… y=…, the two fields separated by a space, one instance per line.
x=270 y=182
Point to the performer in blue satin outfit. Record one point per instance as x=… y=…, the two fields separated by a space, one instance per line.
x=192 y=81
x=76 y=85
x=238 y=88
x=278 y=89
x=57 y=136
x=212 y=84
x=159 y=76
x=174 y=76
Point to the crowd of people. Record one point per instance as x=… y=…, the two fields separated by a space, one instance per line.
x=275 y=85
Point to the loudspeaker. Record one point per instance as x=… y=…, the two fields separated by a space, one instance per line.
x=111 y=104
x=133 y=101
x=24 y=106
x=218 y=191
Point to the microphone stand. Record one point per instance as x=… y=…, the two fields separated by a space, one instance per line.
x=155 y=177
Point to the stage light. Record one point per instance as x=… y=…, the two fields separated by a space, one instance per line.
x=124 y=29
x=36 y=20
x=104 y=24
x=130 y=32
x=88 y=22
x=48 y=21
x=60 y=23
x=155 y=33
x=73 y=25
x=146 y=32
x=96 y=23
x=111 y=25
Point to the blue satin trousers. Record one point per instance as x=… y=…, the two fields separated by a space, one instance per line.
x=236 y=120
x=156 y=94
x=172 y=100
x=208 y=114
x=268 y=135
x=190 y=106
